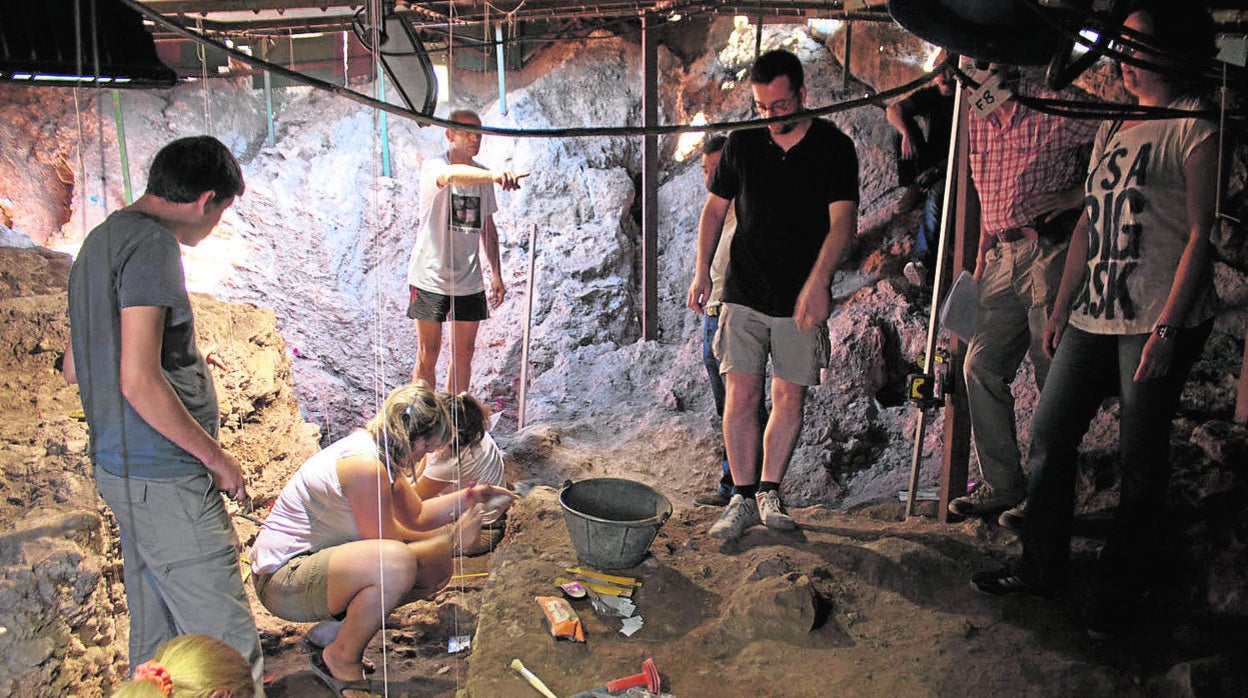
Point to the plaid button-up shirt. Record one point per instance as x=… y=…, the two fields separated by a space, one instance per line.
x=1016 y=158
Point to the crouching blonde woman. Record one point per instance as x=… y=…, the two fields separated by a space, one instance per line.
x=349 y=540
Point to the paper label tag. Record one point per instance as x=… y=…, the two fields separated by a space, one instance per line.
x=1234 y=50
x=989 y=96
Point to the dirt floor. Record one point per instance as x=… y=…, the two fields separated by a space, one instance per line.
x=856 y=604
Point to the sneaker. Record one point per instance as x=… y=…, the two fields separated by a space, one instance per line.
x=916 y=273
x=718 y=498
x=771 y=511
x=740 y=514
x=982 y=502
x=1004 y=582
x=1015 y=517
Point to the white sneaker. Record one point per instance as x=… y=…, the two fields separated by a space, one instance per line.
x=740 y=514
x=915 y=273
x=772 y=512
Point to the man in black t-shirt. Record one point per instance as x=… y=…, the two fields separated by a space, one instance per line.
x=794 y=187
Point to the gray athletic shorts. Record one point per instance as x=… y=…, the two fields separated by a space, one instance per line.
x=747 y=337
x=299 y=590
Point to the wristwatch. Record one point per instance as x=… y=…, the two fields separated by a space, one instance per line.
x=1167 y=331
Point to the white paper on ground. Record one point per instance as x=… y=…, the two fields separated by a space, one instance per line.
x=960 y=311
x=631 y=625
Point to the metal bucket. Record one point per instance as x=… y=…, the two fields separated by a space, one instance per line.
x=612 y=521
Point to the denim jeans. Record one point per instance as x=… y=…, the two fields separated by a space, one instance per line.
x=1086 y=369
x=710 y=325
x=929 y=225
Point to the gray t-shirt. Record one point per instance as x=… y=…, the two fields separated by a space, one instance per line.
x=130 y=260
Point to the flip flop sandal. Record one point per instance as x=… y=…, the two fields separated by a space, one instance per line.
x=312 y=648
x=337 y=685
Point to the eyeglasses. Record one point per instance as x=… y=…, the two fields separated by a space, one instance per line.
x=780 y=106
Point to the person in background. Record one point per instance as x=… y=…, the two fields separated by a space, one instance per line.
x=191 y=666
x=349 y=540
x=471 y=457
x=151 y=406
x=921 y=159
x=1135 y=308
x=712 y=150
x=1027 y=168
x=794 y=188
x=444 y=273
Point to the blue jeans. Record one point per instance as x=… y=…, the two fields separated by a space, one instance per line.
x=710 y=325
x=926 y=244
x=1086 y=369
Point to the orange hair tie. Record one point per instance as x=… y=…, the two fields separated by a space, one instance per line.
x=152 y=671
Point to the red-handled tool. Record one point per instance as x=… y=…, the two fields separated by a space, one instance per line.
x=649 y=677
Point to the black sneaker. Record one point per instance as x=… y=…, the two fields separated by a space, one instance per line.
x=1004 y=582
x=717 y=498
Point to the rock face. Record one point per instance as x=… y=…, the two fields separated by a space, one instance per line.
x=65 y=618
x=320 y=241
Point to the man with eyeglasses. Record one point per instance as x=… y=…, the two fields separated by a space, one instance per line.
x=794 y=188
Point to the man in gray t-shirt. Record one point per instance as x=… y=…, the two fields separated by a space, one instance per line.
x=152 y=409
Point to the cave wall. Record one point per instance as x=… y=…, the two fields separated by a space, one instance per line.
x=315 y=252
x=322 y=237
x=64 y=620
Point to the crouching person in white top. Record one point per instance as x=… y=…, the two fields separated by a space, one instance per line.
x=471 y=457
x=349 y=539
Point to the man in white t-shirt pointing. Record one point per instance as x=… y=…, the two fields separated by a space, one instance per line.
x=444 y=275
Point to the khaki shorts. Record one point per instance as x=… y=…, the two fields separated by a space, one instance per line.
x=747 y=337
x=299 y=590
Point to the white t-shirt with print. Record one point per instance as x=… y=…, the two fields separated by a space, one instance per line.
x=447 y=255
x=1137 y=210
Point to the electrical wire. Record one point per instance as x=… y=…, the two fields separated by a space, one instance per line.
x=1080 y=109
x=875 y=99
x=1127 y=43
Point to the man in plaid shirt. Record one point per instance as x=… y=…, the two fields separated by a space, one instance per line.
x=1028 y=167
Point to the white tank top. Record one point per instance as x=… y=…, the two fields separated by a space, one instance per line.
x=312 y=513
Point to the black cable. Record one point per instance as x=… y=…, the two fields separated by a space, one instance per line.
x=1122 y=48
x=575 y=132
x=1088 y=110
x=1101 y=111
